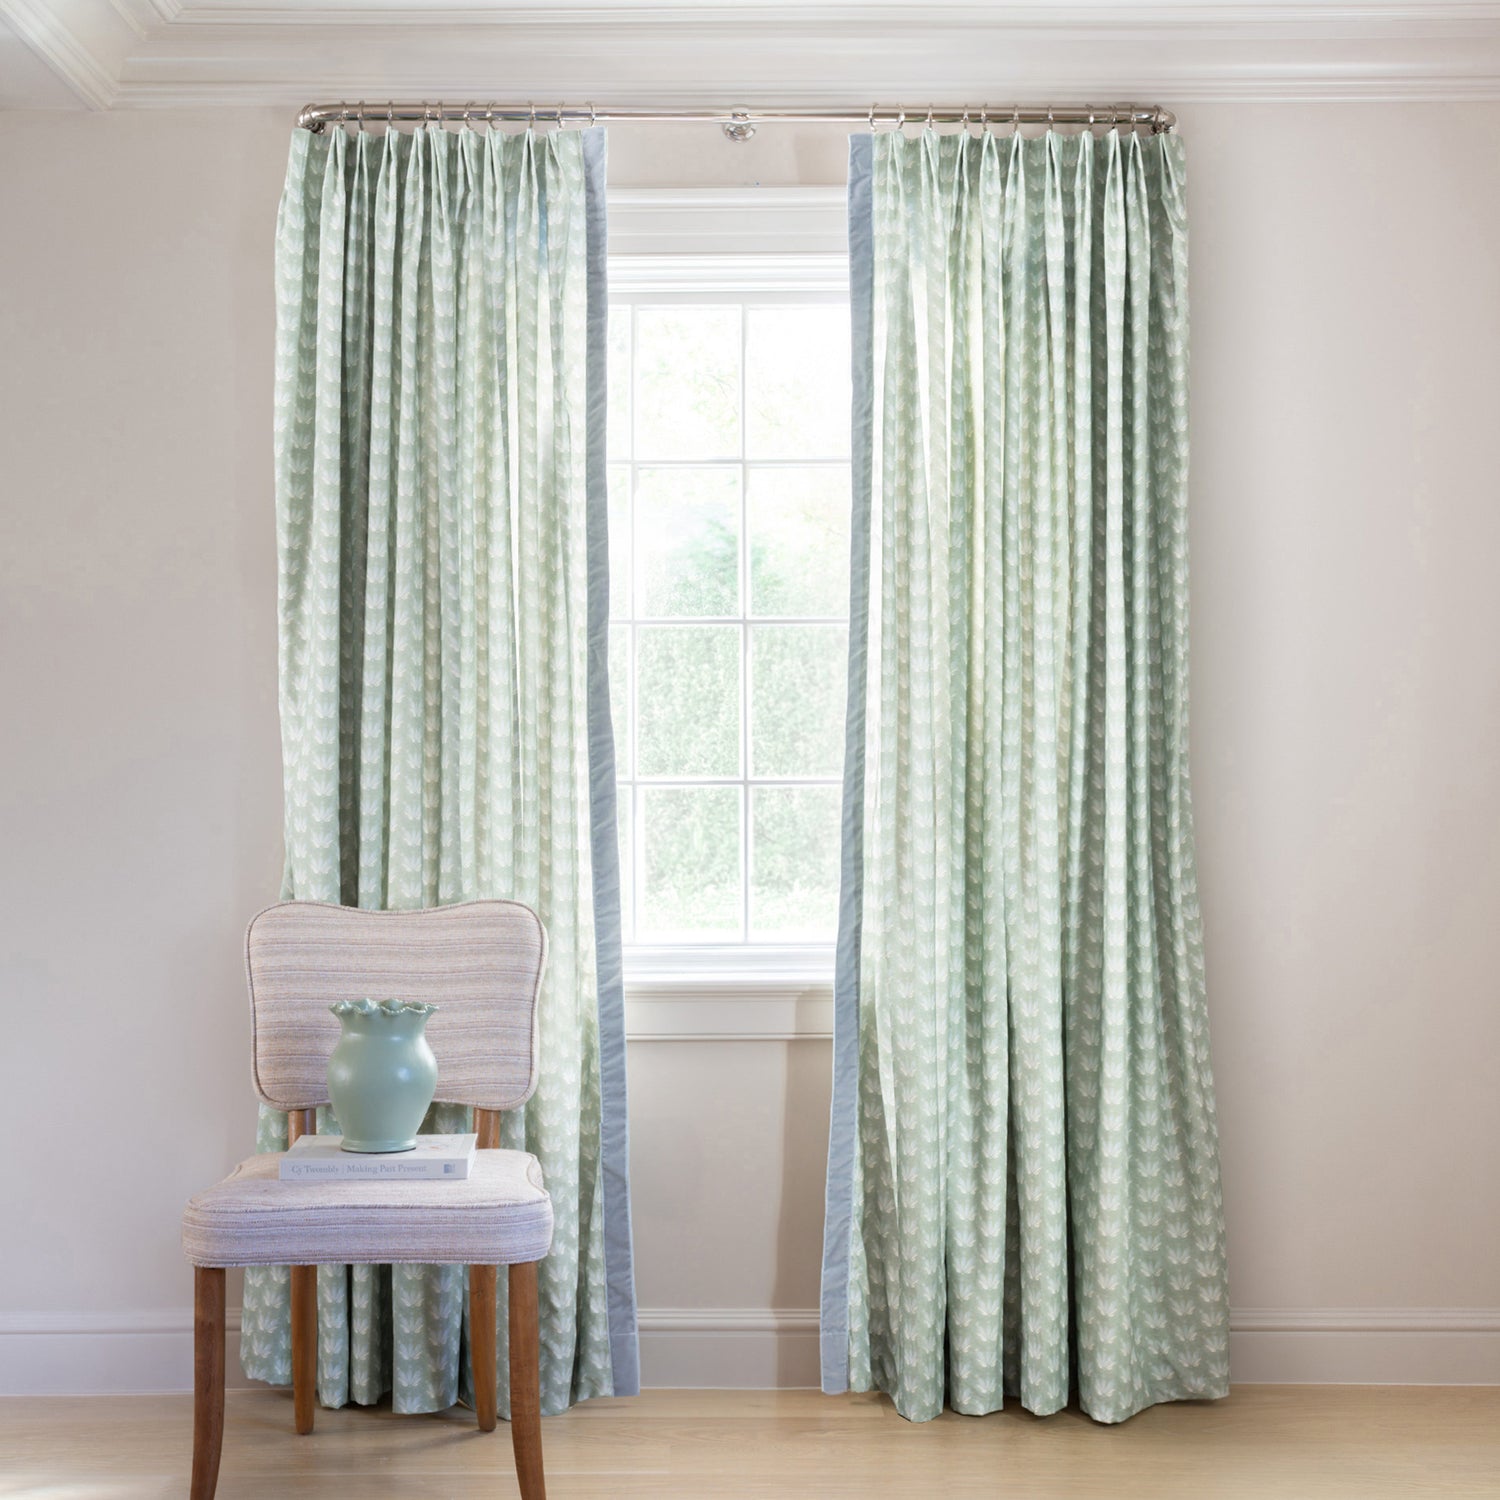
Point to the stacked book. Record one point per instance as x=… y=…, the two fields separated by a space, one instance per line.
x=322 y=1158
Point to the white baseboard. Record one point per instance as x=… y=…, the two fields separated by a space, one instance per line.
x=1365 y=1346
x=756 y=1349
x=765 y=1348
x=106 y=1354
x=716 y=1348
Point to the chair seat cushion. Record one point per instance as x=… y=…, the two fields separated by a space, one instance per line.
x=499 y=1215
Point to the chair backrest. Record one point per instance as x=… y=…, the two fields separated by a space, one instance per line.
x=480 y=963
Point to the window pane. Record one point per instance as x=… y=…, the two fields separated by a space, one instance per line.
x=687 y=541
x=619 y=694
x=797 y=676
x=797 y=382
x=691 y=863
x=617 y=372
x=794 y=878
x=799 y=541
x=624 y=819
x=687 y=382
x=618 y=476
x=688 y=699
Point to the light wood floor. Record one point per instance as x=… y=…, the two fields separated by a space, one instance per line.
x=1264 y=1443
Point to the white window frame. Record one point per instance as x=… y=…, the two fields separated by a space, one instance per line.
x=752 y=245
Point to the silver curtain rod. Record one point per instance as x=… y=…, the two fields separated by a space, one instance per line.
x=740 y=124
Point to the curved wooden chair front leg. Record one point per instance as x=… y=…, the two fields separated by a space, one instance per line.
x=482 y=1296
x=526 y=1382
x=208 y=1379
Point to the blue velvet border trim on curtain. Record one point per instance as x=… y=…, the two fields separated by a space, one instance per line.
x=839 y=1206
x=614 y=1146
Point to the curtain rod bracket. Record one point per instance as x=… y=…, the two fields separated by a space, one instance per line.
x=739 y=126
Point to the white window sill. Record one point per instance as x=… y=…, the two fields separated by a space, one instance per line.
x=729 y=994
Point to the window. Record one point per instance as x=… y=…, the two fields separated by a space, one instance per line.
x=729 y=538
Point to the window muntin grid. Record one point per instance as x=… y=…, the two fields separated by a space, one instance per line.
x=746 y=811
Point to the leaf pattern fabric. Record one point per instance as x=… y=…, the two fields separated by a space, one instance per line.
x=1024 y=1192
x=432 y=479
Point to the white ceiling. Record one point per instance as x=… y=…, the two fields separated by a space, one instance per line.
x=103 y=54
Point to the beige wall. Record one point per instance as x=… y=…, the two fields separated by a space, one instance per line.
x=1347 y=723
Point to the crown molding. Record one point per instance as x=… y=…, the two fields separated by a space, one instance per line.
x=1269 y=19
x=82 y=41
x=86 y=42
x=202 y=53
x=1428 y=87
x=142 y=15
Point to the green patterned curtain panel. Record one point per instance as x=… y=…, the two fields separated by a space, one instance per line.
x=439 y=476
x=1023 y=1186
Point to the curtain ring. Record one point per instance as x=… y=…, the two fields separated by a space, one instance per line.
x=1015 y=118
x=1051 y=123
x=359 y=118
x=531 y=121
x=562 y=124
x=984 y=119
x=390 y=114
x=871 y=118
x=901 y=119
x=963 y=122
x=929 y=117
x=593 y=118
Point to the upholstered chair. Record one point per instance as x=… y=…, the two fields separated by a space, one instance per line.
x=481 y=963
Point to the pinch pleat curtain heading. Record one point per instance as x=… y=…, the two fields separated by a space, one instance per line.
x=1023 y=1193
x=444 y=705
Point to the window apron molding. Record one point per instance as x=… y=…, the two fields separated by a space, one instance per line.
x=722 y=994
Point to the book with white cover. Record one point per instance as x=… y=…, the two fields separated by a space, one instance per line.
x=321 y=1158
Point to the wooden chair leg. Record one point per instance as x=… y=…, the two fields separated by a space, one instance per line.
x=526 y=1382
x=208 y=1379
x=482 y=1291
x=300 y=1122
x=304 y=1345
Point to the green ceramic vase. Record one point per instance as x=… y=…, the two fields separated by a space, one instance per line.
x=382 y=1074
